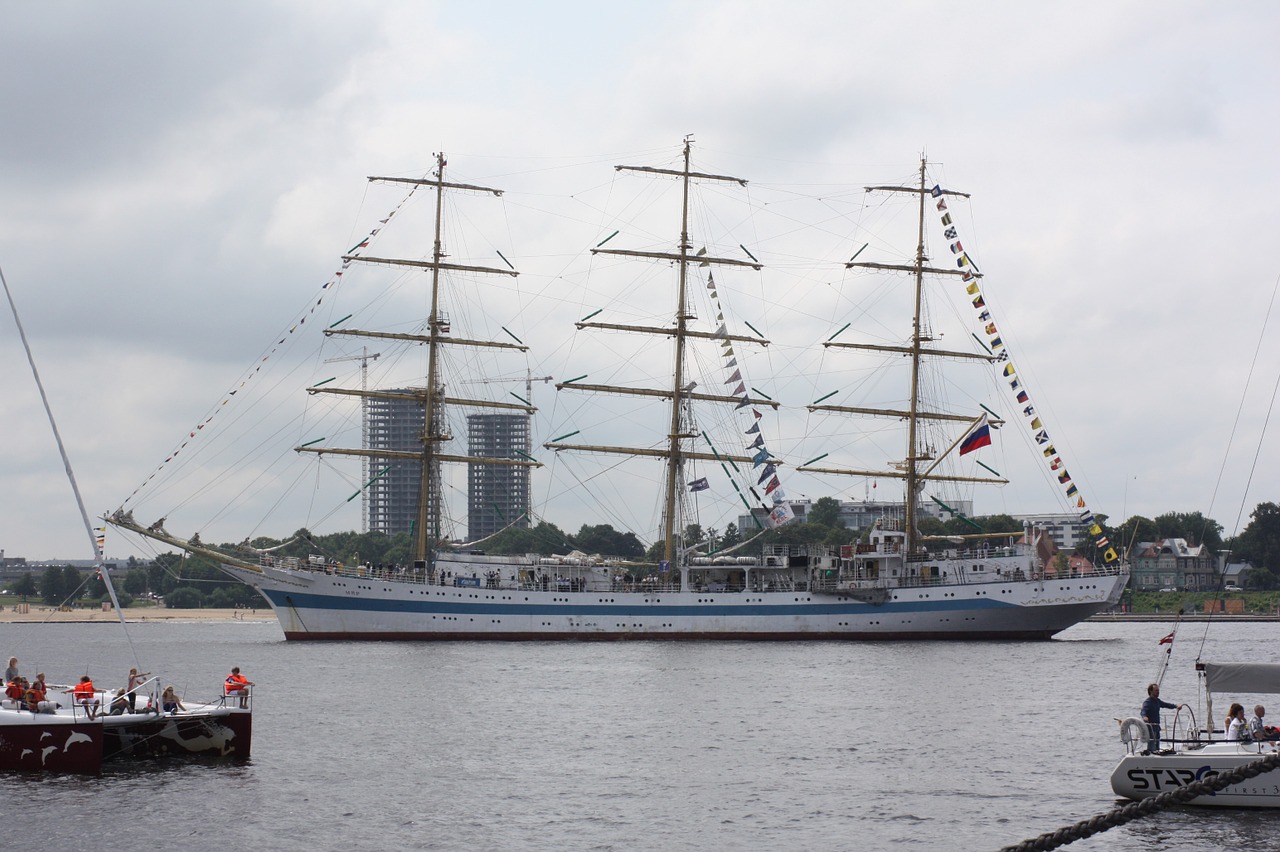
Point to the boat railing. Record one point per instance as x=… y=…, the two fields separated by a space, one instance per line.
x=401 y=574
x=241 y=699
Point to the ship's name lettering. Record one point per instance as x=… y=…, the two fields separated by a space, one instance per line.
x=1160 y=778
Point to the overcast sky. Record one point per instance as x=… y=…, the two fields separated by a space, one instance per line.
x=178 y=181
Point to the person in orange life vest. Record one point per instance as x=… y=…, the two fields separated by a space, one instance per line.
x=83 y=693
x=42 y=689
x=34 y=696
x=238 y=684
x=14 y=689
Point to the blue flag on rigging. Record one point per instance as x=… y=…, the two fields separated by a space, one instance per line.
x=979 y=436
x=699 y=484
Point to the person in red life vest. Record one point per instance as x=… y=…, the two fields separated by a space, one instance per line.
x=83 y=693
x=14 y=689
x=35 y=697
x=238 y=684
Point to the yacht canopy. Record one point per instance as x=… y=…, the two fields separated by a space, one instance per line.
x=1242 y=677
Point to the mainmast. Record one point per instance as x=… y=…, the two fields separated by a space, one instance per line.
x=913 y=448
x=675 y=453
x=432 y=397
x=917 y=350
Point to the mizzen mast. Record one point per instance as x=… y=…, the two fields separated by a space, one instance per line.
x=432 y=397
x=917 y=350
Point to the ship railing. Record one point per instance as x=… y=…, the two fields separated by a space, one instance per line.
x=399 y=574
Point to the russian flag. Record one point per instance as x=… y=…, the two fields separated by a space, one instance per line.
x=979 y=436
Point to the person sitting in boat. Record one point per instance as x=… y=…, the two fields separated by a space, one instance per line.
x=118 y=704
x=1237 y=727
x=238 y=684
x=32 y=697
x=169 y=700
x=36 y=697
x=83 y=693
x=42 y=689
x=11 y=673
x=1151 y=715
x=1258 y=729
x=14 y=689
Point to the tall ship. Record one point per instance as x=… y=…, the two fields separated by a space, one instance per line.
x=894 y=582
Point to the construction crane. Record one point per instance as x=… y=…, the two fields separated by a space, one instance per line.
x=364 y=358
x=529 y=379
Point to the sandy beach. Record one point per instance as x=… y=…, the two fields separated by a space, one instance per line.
x=132 y=615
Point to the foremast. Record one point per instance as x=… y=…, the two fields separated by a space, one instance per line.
x=909 y=470
x=432 y=397
x=677 y=451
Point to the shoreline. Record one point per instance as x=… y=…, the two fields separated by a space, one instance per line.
x=132 y=615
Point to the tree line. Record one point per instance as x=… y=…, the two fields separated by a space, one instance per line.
x=180 y=582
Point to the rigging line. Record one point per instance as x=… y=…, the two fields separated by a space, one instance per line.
x=1262 y=334
x=66 y=463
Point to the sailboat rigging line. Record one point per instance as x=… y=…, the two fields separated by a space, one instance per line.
x=1244 y=496
x=66 y=463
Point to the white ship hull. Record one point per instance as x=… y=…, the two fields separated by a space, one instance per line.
x=318 y=605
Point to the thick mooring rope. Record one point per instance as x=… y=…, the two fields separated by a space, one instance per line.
x=1145 y=807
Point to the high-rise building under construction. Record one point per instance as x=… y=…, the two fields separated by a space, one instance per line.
x=497 y=495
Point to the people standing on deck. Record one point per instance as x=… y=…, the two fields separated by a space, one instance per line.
x=136 y=679
x=1236 y=725
x=11 y=673
x=238 y=684
x=1151 y=715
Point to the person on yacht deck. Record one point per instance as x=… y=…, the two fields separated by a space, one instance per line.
x=1151 y=715
x=1237 y=727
